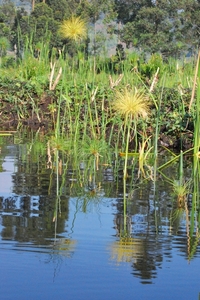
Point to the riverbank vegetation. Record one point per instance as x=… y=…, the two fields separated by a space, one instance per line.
x=105 y=110
x=60 y=77
x=59 y=69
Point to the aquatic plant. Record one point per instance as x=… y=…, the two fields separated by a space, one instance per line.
x=60 y=144
x=143 y=158
x=181 y=191
x=197 y=118
x=4 y=45
x=93 y=148
x=131 y=104
x=74 y=28
x=195 y=216
x=181 y=187
x=6 y=133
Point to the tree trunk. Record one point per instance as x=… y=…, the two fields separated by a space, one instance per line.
x=33 y=4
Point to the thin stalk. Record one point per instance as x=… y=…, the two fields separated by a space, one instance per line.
x=196 y=76
x=173 y=160
x=128 y=126
x=91 y=119
x=93 y=99
x=181 y=169
x=157 y=135
x=55 y=219
x=196 y=167
x=85 y=124
x=57 y=129
x=67 y=117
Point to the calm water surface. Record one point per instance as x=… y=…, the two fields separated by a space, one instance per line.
x=72 y=246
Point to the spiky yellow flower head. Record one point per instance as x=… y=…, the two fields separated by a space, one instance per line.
x=75 y=28
x=131 y=103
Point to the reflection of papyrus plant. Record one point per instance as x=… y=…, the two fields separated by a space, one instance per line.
x=65 y=247
x=127 y=249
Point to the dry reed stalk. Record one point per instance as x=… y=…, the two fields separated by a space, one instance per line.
x=195 y=81
x=52 y=85
x=94 y=94
x=155 y=80
x=116 y=82
x=49 y=162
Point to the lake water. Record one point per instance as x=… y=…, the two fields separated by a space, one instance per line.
x=61 y=238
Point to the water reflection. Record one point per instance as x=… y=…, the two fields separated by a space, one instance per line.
x=152 y=226
x=36 y=213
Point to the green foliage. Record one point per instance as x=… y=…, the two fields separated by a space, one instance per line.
x=149 y=69
x=166 y=27
x=7 y=16
x=4 y=45
x=160 y=26
x=39 y=27
x=31 y=68
x=8 y=62
x=42 y=9
x=174 y=120
x=60 y=9
x=7 y=12
x=81 y=101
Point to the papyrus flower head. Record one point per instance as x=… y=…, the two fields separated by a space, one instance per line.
x=131 y=103
x=74 y=28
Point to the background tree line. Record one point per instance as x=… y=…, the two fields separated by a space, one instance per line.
x=170 y=27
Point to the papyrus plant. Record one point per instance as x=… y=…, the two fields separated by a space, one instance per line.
x=74 y=29
x=132 y=105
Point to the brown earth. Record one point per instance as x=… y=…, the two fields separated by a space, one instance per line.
x=11 y=119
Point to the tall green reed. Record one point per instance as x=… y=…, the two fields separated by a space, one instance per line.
x=196 y=138
x=156 y=137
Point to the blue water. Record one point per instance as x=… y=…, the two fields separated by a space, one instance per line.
x=80 y=257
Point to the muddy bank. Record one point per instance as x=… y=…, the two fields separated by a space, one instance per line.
x=22 y=106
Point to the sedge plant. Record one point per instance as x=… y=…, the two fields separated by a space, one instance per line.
x=74 y=29
x=131 y=105
x=196 y=151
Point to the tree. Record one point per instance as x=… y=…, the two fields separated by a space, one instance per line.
x=33 y=3
x=60 y=9
x=190 y=22
x=37 y=28
x=89 y=10
x=169 y=27
x=7 y=17
x=4 y=45
x=94 y=11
